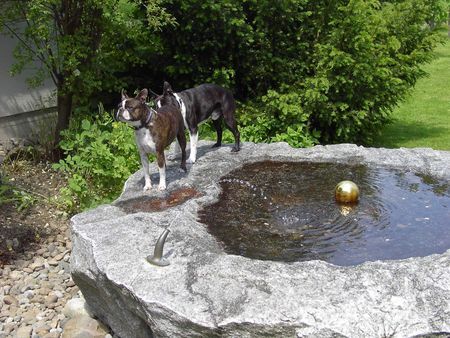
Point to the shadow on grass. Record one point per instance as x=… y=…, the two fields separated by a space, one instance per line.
x=398 y=134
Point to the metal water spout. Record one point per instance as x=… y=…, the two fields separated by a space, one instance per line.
x=156 y=258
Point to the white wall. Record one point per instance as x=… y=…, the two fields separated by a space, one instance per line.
x=22 y=109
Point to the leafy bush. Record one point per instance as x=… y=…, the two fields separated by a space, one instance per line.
x=274 y=118
x=343 y=65
x=439 y=12
x=277 y=117
x=368 y=58
x=100 y=155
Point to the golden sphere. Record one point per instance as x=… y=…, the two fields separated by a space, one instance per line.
x=346 y=192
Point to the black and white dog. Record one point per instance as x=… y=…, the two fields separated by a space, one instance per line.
x=154 y=131
x=199 y=103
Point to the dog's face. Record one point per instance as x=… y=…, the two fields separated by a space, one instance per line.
x=132 y=110
x=167 y=98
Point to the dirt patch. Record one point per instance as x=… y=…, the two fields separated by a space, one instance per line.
x=23 y=230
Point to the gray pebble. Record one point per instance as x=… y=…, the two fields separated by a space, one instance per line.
x=29 y=294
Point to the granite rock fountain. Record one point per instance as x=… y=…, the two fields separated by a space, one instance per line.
x=205 y=292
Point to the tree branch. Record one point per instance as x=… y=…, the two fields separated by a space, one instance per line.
x=45 y=45
x=23 y=42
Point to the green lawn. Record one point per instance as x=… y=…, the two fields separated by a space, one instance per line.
x=423 y=119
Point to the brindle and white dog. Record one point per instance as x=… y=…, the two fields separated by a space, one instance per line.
x=199 y=103
x=154 y=131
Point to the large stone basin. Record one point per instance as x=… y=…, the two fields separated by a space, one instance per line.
x=205 y=292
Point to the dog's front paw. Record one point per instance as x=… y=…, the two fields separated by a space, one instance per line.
x=190 y=160
x=147 y=187
x=161 y=187
x=235 y=149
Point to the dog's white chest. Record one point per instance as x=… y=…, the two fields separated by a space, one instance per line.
x=145 y=140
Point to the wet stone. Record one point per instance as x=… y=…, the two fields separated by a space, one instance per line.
x=152 y=204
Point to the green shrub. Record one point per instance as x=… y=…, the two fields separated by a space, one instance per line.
x=341 y=64
x=274 y=118
x=100 y=155
x=277 y=117
x=368 y=56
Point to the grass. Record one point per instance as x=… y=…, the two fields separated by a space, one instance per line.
x=423 y=119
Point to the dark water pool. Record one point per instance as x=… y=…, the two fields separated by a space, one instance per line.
x=287 y=212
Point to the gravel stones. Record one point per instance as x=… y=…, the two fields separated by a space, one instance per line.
x=35 y=248
x=37 y=295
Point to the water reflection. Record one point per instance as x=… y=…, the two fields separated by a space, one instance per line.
x=286 y=211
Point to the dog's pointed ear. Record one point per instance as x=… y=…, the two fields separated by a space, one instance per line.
x=142 y=96
x=167 y=88
x=124 y=94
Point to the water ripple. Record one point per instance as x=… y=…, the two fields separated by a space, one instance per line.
x=286 y=211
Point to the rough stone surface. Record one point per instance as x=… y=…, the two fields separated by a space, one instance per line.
x=207 y=293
